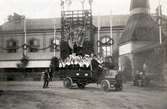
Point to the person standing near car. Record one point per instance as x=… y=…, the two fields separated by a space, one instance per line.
x=46 y=79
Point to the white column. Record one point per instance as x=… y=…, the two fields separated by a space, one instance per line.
x=54 y=41
x=159 y=22
x=111 y=52
x=25 y=38
x=98 y=32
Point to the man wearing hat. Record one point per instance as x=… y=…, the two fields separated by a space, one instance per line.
x=46 y=78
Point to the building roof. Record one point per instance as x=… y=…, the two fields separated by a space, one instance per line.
x=140 y=27
x=117 y=20
x=31 y=24
x=48 y=23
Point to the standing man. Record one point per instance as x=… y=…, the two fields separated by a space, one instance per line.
x=54 y=67
x=46 y=78
x=96 y=67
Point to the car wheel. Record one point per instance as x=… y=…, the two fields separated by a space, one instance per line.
x=105 y=85
x=68 y=82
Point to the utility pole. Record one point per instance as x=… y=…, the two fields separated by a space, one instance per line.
x=160 y=22
x=54 y=41
x=25 y=38
x=111 y=47
x=98 y=32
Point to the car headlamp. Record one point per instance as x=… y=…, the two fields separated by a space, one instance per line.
x=77 y=74
x=86 y=74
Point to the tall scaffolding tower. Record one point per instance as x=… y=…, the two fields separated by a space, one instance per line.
x=77 y=34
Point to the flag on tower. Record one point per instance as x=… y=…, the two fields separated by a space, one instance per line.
x=61 y=2
x=90 y=2
x=82 y=3
x=68 y=2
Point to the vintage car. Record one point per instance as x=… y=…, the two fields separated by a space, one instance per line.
x=112 y=79
x=108 y=78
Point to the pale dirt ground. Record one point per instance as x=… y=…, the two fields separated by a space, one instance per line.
x=30 y=95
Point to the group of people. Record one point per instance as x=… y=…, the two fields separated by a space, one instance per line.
x=78 y=62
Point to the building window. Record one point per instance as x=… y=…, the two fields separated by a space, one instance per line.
x=11 y=46
x=34 y=45
x=106 y=49
x=57 y=43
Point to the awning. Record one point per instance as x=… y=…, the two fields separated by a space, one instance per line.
x=31 y=64
x=146 y=48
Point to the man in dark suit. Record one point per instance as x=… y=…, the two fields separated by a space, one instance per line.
x=54 y=66
x=46 y=78
x=96 y=67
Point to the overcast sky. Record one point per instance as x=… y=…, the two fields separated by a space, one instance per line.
x=51 y=8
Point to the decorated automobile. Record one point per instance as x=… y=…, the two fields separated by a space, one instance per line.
x=81 y=71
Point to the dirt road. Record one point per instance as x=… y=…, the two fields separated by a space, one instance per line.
x=30 y=95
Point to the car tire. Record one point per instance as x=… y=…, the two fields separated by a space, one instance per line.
x=105 y=85
x=68 y=83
